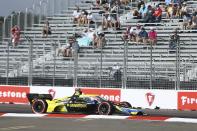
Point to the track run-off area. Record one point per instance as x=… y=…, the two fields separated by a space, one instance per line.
x=20 y=117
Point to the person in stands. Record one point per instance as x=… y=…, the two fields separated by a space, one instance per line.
x=15 y=35
x=46 y=29
x=152 y=36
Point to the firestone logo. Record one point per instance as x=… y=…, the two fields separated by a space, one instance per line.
x=111 y=97
x=150 y=97
x=186 y=100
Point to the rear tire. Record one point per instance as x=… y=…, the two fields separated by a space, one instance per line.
x=39 y=106
x=105 y=108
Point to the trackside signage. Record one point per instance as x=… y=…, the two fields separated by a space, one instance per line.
x=164 y=99
x=187 y=100
x=109 y=94
x=14 y=94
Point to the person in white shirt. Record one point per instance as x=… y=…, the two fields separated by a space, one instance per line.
x=77 y=16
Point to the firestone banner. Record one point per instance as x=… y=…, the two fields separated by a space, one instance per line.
x=13 y=94
x=187 y=100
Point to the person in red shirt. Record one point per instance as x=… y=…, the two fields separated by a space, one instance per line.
x=158 y=14
x=152 y=36
x=15 y=35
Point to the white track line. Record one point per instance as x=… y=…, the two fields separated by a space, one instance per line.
x=22 y=115
x=184 y=120
x=105 y=117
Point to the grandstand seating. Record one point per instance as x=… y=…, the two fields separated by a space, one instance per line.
x=89 y=59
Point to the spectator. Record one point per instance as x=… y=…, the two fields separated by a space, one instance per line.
x=107 y=20
x=77 y=16
x=100 y=40
x=174 y=39
x=63 y=50
x=15 y=35
x=169 y=11
x=184 y=9
x=158 y=14
x=193 y=23
x=68 y=49
x=149 y=17
x=131 y=33
x=75 y=47
x=143 y=10
x=90 y=18
x=186 y=20
x=152 y=36
x=140 y=3
x=126 y=34
x=83 y=17
x=117 y=73
x=46 y=29
x=142 y=36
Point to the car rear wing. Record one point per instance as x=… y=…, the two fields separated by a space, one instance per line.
x=33 y=96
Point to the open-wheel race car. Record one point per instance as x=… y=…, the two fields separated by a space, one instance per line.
x=88 y=104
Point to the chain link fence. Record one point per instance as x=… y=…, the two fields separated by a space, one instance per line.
x=106 y=67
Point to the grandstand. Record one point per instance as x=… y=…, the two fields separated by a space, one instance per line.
x=141 y=66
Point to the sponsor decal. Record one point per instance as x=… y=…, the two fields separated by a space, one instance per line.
x=108 y=94
x=52 y=92
x=14 y=94
x=150 y=97
x=187 y=100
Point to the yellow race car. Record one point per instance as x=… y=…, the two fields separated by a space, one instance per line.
x=88 y=104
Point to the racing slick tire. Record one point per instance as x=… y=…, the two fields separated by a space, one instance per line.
x=125 y=104
x=105 y=108
x=39 y=106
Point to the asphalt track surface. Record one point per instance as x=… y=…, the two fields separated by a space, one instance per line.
x=79 y=124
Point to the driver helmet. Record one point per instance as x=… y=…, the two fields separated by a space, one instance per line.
x=78 y=90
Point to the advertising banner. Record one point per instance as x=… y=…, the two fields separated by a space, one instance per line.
x=14 y=94
x=187 y=100
x=109 y=94
x=164 y=99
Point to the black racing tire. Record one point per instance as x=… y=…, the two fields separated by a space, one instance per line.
x=125 y=104
x=105 y=108
x=39 y=106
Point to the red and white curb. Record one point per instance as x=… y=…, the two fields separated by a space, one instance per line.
x=142 y=118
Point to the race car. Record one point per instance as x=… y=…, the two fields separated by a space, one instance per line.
x=88 y=104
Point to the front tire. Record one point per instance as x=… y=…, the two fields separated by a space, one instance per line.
x=39 y=106
x=105 y=108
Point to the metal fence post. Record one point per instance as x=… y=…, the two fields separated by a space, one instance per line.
x=177 y=82
x=101 y=65
x=151 y=65
x=54 y=62
x=8 y=57
x=124 y=85
x=75 y=79
x=30 y=60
